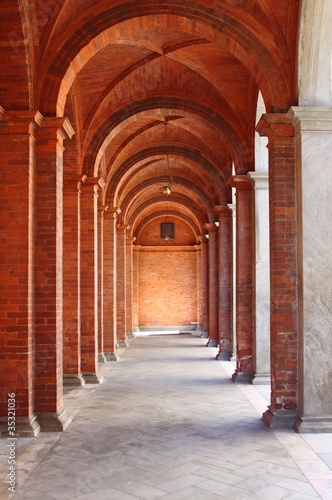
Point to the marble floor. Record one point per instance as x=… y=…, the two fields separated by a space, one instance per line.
x=168 y=423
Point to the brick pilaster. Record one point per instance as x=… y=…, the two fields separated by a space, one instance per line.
x=89 y=279
x=121 y=284
x=71 y=282
x=225 y=273
x=129 y=285
x=136 y=287
x=213 y=284
x=17 y=195
x=109 y=282
x=199 y=285
x=283 y=144
x=204 y=286
x=245 y=277
x=49 y=274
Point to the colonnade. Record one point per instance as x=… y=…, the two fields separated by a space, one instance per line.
x=71 y=266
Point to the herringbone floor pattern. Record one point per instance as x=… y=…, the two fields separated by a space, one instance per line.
x=167 y=423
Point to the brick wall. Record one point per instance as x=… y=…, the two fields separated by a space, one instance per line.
x=167 y=286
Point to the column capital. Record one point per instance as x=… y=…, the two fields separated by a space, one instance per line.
x=111 y=212
x=211 y=227
x=122 y=228
x=223 y=211
x=202 y=238
x=131 y=239
x=90 y=182
x=278 y=125
x=261 y=179
x=313 y=119
x=61 y=124
x=19 y=122
x=241 y=182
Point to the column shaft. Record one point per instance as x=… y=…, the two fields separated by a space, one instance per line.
x=121 y=314
x=49 y=274
x=225 y=274
x=17 y=195
x=245 y=281
x=136 y=287
x=213 y=284
x=109 y=283
x=89 y=280
x=205 y=286
x=71 y=283
x=129 y=285
x=283 y=146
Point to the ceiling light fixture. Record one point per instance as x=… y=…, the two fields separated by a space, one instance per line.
x=166 y=188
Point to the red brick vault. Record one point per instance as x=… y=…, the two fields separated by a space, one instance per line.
x=103 y=104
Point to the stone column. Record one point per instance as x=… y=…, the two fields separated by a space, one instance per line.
x=17 y=144
x=225 y=275
x=213 y=284
x=245 y=278
x=205 y=286
x=129 y=285
x=121 y=285
x=315 y=346
x=262 y=336
x=71 y=282
x=89 y=279
x=49 y=274
x=109 y=282
x=284 y=147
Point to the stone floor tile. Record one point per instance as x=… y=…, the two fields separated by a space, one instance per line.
x=168 y=423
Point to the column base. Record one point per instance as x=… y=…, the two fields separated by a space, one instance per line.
x=73 y=379
x=121 y=343
x=54 y=422
x=204 y=335
x=313 y=424
x=130 y=336
x=111 y=356
x=242 y=377
x=279 y=419
x=223 y=356
x=261 y=379
x=92 y=378
x=24 y=426
x=212 y=343
x=101 y=358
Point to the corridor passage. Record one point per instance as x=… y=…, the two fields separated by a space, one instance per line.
x=168 y=423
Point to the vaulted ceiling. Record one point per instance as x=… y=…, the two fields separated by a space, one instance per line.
x=142 y=80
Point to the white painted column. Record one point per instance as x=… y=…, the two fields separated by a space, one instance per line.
x=262 y=337
x=315 y=236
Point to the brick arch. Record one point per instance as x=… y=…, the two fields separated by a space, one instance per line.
x=120 y=176
x=180 y=204
x=109 y=157
x=240 y=148
x=138 y=228
x=255 y=48
x=181 y=187
x=188 y=175
x=191 y=75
